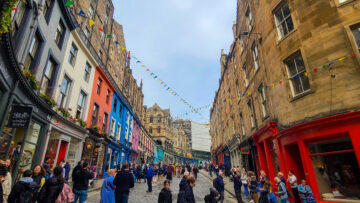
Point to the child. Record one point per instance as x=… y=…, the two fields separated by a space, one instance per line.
x=165 y=195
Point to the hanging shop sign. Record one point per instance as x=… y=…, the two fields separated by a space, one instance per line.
x=20 y=116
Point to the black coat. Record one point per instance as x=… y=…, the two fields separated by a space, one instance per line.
x=22 y=189
x=123 y=181
x=183 y=184
x=237 y=183
x=189 y=195
x=1 y=194
x=50 y=190
x=81 y=179
x=165 y=196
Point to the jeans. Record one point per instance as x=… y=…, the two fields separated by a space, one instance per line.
x=81 y=195
x=149 y=182
x=221 y=199
x=284 y=201
x=238 y=196
x=296 y=195
x=246 y=190
x=121 y=198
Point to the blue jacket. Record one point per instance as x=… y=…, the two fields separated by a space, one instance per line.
x=220 y=185
x=271 y=197
x=237 y=183
x=282 y=192
x=304 y=190
x=150 y=172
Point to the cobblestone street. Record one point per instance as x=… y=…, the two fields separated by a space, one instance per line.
x=139 y=194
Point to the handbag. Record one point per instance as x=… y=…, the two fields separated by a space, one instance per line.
x=310 y=198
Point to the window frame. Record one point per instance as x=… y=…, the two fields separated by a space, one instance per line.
x=249 y=19
x=252 y=113
x=98 y=86
x=255 y=53
x=82 y=107
x=112 y=127
x=246 y=77
x=87 y=72
x=279 y=8
x=91 y=12
x=46 y=77
x=49 y=5
x=32 y=56
x=354 y=39
x=59 y=41
x=94 y=118
x=107 y=96
x=72 y=54
x=263 y=101
x=63 y=96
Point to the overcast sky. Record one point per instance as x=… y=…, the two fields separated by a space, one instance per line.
x=180 y=41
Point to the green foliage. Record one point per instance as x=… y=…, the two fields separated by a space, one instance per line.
x=5 y=15
x=48 y=100
x=81 y=123
x=31 y=79
x=95 y=127
x=64 y=112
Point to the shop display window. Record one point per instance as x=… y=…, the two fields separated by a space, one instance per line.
x=108 y=159
x=336 y=170
x=274 y=156
x=52 y=147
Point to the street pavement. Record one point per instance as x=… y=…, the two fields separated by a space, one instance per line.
x=138 y=194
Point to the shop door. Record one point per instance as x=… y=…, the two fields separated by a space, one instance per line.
x=62 y=151
x=293 y=161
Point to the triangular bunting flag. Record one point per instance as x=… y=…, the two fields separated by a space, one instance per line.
x=108 y=36
x=91 y=22
x=99 y=28
x=69 y=3
x=116 y=42
x=81 y=12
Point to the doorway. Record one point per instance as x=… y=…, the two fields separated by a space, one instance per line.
x=293 y=161
x=62 y=151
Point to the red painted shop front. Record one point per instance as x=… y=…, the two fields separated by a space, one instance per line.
x=325 y=152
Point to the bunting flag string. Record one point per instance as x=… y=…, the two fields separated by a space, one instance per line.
x=280 y=82
x=69 y=3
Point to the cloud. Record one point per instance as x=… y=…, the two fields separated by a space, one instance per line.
x=180 y=40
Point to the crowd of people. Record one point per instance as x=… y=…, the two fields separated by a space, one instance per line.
x=260 y=190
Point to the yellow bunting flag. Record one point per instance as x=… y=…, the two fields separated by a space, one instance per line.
x=248 y=93
x=273 y=85
x=91 y=22
x=341 y=59
x=306 y=74
x=122 y=49
x=141 y=65
x=229 y=100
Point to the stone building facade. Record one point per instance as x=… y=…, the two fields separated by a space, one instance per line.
x=289 y=91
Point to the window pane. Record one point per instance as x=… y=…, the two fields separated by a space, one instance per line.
x=49 y=69
x=299 y=63
x=286 y=10
x=289 y=23
x=330 y=146
x=291 y=67
x=356 y=33
x=297 y=85
x=33 y=134
x=305 y=82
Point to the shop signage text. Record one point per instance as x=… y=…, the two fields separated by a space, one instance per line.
x=20 y=116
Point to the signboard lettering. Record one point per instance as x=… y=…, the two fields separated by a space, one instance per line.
x=20 y=116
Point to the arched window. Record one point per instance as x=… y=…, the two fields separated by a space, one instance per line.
x=150 y=130
x=158 y=129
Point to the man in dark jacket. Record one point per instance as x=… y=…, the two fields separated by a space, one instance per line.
x=46 y=166
x=24 y=189
x=123 y=181
x=149 y=176
x=183 y=181
x=189 y=194
x=165 y=194
x=212 y=197
x=81 y=182
x=220 y=186
x=195 y=171
x=237 y=187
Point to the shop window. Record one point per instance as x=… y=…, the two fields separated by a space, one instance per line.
x=32 y=51
x=98 y=86
x=104 y=124
x=59 y=34
x=296 y=71
x=47 y=9
x=283 y=20
x=47 y=77
x=17 y=17
x=336 y=169
x=112 y=127
x=72 y=54
x=263 y=100
x=64 y=91
x=114 y=105
x=80 y=105
x=255 y=53
x=355 y=29
x=87 y=72
x=95 y=114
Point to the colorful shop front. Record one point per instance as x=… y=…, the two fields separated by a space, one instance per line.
x=24 y=116
x=325 y=152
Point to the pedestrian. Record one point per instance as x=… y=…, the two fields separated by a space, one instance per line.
x=237 y=187
x=139 y=174
x=165 y=195
x=183 y=181
x=281 y=190
x=55 y=189
x=210 y=170
x=220 y=185
x=39 y=178
x=24 y=189
x=6 y=184
x=253 y=185
x=67 y=167
x=3 y=173
x=267 y=195
x=212 y=197
x=46 y=165
x=195 y=171
x=81 y=182
x=178 y=171
x=123 y=182
x=244 y=181
x=150 y=175
x=76 y=168
x=182 y=170
x=263 y=178
x=281 y=176
x=169 y=172
x=108 y=188
x=306 y=193
x=189 y=194
x=292 y=180
x=145 y=170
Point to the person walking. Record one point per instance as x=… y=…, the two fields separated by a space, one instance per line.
x=55 y=189
x=306 y=193
x=39 y=178
x=183 y=181
x=195 y=171
x=244 y=181
x=237 y=187
x=212 y=197
x=150 y=175
x=253 y=185
x=6 y=185
x=281 y=190
x=23 y=190
x=169 y=172
x=46 y=165
x=281 y=176
x=165 y=195
x=123 y=182
x=220 y=185
x=145 y=170
x=267 y=195
x=189 y=194
x=67 y=170
x=107 y=192
x=263 y=178
x=294 y=186
x=81 y=182
x=178 y=171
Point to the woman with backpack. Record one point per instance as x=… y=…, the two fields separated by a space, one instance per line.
x=24 y=189
x=267 y=195
x=55 y=189
x=253 y=185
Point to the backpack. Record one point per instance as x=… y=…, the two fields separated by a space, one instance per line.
x=181 y=197
x=215 y=183
x=27 y=196
x=264 y=198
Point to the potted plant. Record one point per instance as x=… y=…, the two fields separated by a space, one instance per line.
x=96 y=128
x=5 y=14
x=64 y=112
x=31 y=79
x=81 y=123
x=48 y=100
